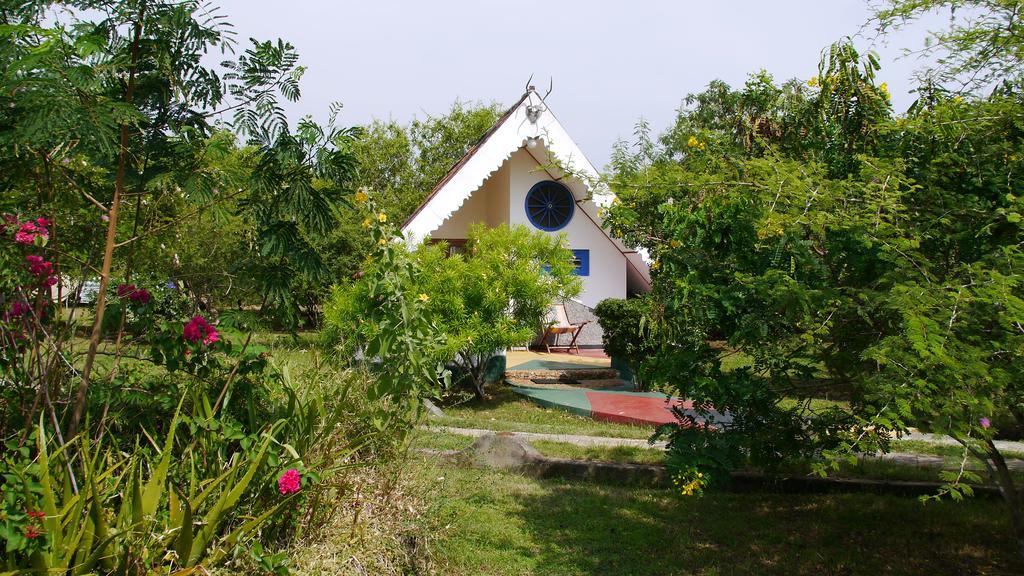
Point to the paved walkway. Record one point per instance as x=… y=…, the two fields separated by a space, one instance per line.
x=642 y=408
x=517 y=360
x=902 y=458
x=1003 y=445
x=577 y=439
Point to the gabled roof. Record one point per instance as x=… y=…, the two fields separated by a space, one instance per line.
x=510 y=133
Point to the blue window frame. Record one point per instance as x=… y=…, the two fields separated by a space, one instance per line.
x=582 y=258
x=549 y=205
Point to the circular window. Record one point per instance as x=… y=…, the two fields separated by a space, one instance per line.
x=549 y=205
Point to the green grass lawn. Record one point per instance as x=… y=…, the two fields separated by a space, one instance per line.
x=627 y=454
x=489 y=523
x=507 y=411
x=438 y=440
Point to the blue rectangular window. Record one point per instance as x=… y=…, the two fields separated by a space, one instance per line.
x=582 y=260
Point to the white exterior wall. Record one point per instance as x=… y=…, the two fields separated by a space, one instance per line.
x=607 y=277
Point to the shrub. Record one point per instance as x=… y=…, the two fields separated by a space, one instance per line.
x=383 y=317
x=130 y=513
x=192 y=499
x=496 y=294
x=630 y=332
x=493 y=296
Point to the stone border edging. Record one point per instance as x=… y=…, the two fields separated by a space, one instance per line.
x=512 y=451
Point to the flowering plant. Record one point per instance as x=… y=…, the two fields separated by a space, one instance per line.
x=133 y=293
x=198 y=330
x=690 y=481
x=25 y=295
x=22 y=524
x=290 y=482
x=33 y=232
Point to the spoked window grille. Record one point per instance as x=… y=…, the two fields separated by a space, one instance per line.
x=549 y=205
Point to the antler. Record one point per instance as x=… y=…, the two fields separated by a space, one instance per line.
x=551 y=86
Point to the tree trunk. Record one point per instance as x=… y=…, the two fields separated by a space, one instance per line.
x=1010 y=494
x=108 y=252
x=475 y=370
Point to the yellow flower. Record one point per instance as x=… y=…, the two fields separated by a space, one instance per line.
x=884 y=89
x=423 y=298
x=700 y=146
x=692 y=142
x=674 y=243
x=656 y=265
x=382 y=217
x=362 y=196
x=382 y=242
x=366 y=223
x=813 y=82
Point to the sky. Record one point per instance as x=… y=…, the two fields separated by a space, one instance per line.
x=611 y=63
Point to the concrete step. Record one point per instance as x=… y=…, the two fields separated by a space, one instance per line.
x=574 y=374
x=555 y=383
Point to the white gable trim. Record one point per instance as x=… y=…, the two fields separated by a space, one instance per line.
x=510 y=135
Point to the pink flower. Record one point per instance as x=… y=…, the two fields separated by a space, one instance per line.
x=31 y=533
x=199 y=330
x=290 y=482
x=29 y=231
x=141 y=296
x=37 y=514
x=985 y=423
x=133 y=293
x=18 y=308
x=39 y=267
x=42 y=222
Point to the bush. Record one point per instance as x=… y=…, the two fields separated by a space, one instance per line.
x=193 y=498
x=474 y=304
x=629 y=331
x=128 y=513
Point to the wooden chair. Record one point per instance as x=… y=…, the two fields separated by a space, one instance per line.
x=558 y=323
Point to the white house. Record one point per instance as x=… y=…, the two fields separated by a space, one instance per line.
x=508 y=178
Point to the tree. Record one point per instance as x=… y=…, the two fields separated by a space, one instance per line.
x=860 y=255
x=982 y=47
x=402 y=163
x=109 y=107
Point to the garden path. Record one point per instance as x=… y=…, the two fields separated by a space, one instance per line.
x=903 y=458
